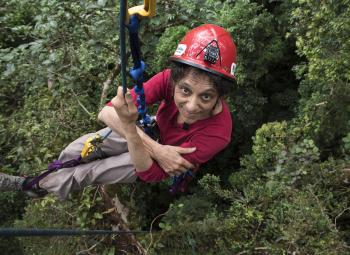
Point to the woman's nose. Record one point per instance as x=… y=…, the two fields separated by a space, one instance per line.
x=192 y=104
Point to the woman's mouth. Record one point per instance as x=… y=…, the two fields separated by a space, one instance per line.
x=189 y=114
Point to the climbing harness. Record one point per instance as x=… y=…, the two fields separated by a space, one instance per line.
x=179 y=183
x=53 y=166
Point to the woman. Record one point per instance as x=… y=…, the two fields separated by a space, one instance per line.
x=193 y=119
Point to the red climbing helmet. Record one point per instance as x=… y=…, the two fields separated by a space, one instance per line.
x=208 y=47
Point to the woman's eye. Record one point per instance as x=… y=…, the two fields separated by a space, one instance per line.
x=185 y=91
x=206 y=97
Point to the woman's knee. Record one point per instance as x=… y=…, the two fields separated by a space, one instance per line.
x=74 y=149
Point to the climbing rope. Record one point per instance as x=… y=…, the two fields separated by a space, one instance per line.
x=122 y=48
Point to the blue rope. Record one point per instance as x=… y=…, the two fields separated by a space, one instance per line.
x=136 y=72
x=133 y=28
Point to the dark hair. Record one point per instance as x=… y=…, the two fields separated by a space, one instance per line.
x=221 y=84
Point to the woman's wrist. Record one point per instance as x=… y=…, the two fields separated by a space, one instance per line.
x=139 y=155
x=129 y=129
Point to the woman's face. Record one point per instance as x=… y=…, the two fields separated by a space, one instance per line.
x=195 y=97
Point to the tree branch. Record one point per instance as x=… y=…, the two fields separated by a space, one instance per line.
x=107 y=83
x=118 y=219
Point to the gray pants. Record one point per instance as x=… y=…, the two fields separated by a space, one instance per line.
x=116 y=168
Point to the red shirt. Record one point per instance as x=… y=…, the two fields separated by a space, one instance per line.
x=209 y=136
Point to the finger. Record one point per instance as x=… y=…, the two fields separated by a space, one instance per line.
x=187 y=164
x=183 y=163
x=173 y=172
x=120 y=94
x=129 y=100
x=114 y=101
x=182 y=150
x=182 y=170
x=118 y=101
x=176 y=173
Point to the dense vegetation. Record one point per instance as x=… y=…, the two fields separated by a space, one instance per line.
x=282 y=186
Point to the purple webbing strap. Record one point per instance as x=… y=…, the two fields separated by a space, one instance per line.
x=53 y=166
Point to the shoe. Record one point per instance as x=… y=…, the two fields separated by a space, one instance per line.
x=10 y=182
x=34 y=191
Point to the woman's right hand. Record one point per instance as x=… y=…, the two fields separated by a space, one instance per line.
x=170 y=159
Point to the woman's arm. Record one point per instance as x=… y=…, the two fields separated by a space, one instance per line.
x=127 y=113
x=139 y=155
x=109 y=116
x=168 y=157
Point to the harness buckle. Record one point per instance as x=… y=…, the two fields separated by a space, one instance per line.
x=92 y=146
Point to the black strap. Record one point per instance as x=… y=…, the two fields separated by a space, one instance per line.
x=122 y=19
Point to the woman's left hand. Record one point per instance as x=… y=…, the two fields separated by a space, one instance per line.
x=125 y=107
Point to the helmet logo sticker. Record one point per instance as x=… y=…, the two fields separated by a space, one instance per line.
x=233 y=68
x=181 y=48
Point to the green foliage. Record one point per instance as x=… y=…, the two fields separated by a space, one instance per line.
x=346 y=146
x=79 y=212
x=12 y=205
x=273 y=212
x=321 y=29
x=268 y=142
x=16 y=22
x=167 y=45
x=259 y=45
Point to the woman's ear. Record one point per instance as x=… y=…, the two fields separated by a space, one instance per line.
x=223 y=97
